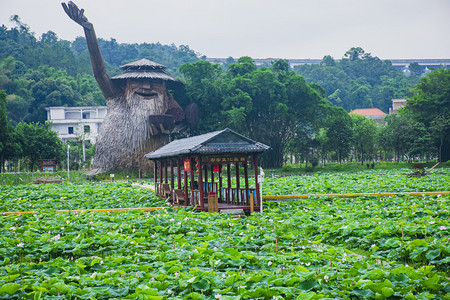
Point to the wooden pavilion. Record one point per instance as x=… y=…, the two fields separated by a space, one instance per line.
x=189 y=171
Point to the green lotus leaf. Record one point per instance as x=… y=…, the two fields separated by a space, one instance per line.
x=306 y=296
x=10 y=288
x=433 y=254
x=59 y=288
x=308 y=285
x=387 y=292
x=195 y=296
x=201 y=285
x=144 y=289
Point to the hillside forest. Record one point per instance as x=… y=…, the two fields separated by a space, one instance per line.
x=301 y=112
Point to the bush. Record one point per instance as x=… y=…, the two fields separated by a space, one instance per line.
x=314 y=162
x=286 y=168
x=309 y=169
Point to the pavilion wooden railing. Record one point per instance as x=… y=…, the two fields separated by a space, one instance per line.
x=194 y=197
x=158 y=189
x=232 y=196
x=209 y=187
x=236 y=196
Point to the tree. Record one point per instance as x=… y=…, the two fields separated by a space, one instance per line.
x=4 y=127
x=302 y=143
x=38 y=142
x=439 y=126
x=267 y=104
x=430 y=105
x=204 y=87
x=338 y=132
x=328 y=61
x=10 y=148
x=244 y=65
x=407 y=137
x=354 y=53
x=415 y=69
x=364 y=135
x=359 y=80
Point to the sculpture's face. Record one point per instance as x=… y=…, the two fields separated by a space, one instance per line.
x=152 y=95
x=146 y=90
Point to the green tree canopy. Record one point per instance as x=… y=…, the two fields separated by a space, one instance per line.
x=359 y=80
x=38 y=141
x=430 y=105
x=339 y=132
x=365 y=134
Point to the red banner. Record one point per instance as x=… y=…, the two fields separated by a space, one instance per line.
x=187 y=165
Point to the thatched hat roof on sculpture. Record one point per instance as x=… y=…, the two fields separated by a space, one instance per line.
x=145 y=69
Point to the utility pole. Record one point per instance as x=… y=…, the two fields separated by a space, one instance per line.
x=68 y=161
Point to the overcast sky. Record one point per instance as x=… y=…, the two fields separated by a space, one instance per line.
x=256 y=28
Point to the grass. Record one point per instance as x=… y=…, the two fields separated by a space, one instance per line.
x=287 y=169
x=296 y=169
x=29 y=177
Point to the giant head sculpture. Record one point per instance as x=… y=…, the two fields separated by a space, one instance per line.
x=141 y=113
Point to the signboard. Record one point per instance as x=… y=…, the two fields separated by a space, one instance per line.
x=224 y=160
x=48 y=165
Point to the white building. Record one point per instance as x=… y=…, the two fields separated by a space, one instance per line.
x=76 y=122
x=396 y=104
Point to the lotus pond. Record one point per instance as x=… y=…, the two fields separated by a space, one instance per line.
x=316 y=248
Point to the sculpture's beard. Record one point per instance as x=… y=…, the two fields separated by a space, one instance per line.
x=126 y=136
x=140 y=108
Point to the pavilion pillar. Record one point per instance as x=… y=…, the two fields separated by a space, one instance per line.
x=179 y=173
x=229 y=193
x=255 y=165
x=200 y=181
x=186 y=196
x=172 y=179
x=246 y=195
x=191 y=162
x=238 y=183
x=220 y=182
x=155 y=174
x=165 y=171
x=160 y=172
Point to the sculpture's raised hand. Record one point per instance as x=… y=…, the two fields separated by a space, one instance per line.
x=98 y=66
x=76 y=14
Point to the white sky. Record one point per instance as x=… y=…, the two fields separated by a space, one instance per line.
x=256 y=28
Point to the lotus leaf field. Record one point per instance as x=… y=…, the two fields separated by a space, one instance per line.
x=314 y=248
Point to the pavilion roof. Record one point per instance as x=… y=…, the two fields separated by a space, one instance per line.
x=217 y=142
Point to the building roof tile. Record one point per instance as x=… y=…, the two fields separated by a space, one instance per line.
x=368 y=112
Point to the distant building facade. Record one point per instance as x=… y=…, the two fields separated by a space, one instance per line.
x=372 y=113
x=396 y=104
x=76 y=122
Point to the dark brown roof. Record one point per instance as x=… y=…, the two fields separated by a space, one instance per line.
x=223 y=141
